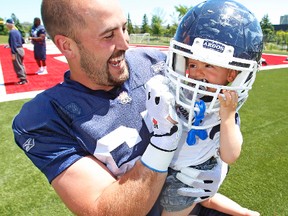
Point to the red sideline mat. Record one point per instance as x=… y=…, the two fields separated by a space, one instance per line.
x=55 y=69
x=275 y=59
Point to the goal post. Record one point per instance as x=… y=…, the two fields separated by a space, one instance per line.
x=139 y=38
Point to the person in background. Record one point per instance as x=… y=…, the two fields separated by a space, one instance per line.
x=38 y=38
x=15 y=41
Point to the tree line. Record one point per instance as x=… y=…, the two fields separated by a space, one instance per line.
x=270 y=35
x=158 y=28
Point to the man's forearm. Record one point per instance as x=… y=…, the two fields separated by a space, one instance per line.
x=133 y=194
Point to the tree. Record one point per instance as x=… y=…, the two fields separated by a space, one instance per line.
x=181 y=10
x=282 y=39
x=129 y=25
x=1 y=25
x=156 y=25
x=170 y=30
x=157 y=22
x=145 y=26
x=18 y=24
x=267 y=29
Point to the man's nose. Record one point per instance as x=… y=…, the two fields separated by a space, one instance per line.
x=123 y=42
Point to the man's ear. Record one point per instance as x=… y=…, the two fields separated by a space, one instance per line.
x=65 y=45
x=232 y=75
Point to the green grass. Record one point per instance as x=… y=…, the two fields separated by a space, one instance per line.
x=23 y=189
x=258 y=180
x=3 y=39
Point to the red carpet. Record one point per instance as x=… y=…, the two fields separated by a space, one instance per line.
x=55 y=69
x=275 y=59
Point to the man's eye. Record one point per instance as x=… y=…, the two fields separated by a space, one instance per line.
x=109 y=36
x=124 y=29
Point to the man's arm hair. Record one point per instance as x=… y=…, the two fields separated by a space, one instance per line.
x=87 y=187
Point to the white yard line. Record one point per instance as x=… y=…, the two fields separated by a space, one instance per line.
x=16 y=96
x=2 y=84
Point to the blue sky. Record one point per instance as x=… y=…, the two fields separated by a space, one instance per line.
x=26 y=10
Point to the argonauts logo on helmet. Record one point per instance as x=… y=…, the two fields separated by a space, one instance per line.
x=214 y=46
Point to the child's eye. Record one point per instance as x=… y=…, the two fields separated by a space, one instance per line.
x=192 y=66
x=209 y=66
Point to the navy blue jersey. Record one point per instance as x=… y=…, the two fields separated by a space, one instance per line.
x=63 y=124
x=15 y=40
x=36 y=31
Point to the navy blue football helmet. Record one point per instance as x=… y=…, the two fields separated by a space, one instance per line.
x=218 y=32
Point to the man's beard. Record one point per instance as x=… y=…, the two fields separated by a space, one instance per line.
x=98 y=73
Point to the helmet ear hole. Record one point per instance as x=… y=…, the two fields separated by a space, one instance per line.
x=179 y=64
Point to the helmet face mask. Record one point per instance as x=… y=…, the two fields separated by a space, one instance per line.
x=222 y=33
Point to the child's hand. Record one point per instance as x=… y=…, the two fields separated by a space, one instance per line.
x=228 y=104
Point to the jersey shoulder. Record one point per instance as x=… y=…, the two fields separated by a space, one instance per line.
x=144 y=63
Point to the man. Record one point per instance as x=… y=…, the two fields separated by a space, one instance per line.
x=38 y=38
x=93 y=143
x=17 y=52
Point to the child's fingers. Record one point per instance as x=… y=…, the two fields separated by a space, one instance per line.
x=231 y=98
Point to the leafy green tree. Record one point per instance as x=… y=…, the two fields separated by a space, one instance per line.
x=18 y=24
x=145 y=25
x=170 y=30
x=157 y=22
x=181 y=10
x=129 y=25
x=156 y=25
x=1 y=25
x=282 y=39
x=267 y=29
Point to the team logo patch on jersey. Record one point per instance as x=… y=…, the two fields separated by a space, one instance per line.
x=124 y=98
x=214 y=46
x=158 y=67
x=29 y=144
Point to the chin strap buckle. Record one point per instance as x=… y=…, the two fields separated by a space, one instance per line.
x=199 y=116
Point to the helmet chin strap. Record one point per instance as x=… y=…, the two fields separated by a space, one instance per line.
x=199 y=116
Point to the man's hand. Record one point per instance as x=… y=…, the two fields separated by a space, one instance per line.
x=204 y=183
x=160 y=105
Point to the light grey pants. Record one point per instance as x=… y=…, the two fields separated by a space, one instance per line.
x=18 y=64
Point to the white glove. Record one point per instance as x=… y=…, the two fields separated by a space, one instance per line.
x=204 y=183
x=160 y=106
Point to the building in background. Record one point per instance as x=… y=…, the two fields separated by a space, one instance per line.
x=283 y=19
x=283 y=24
